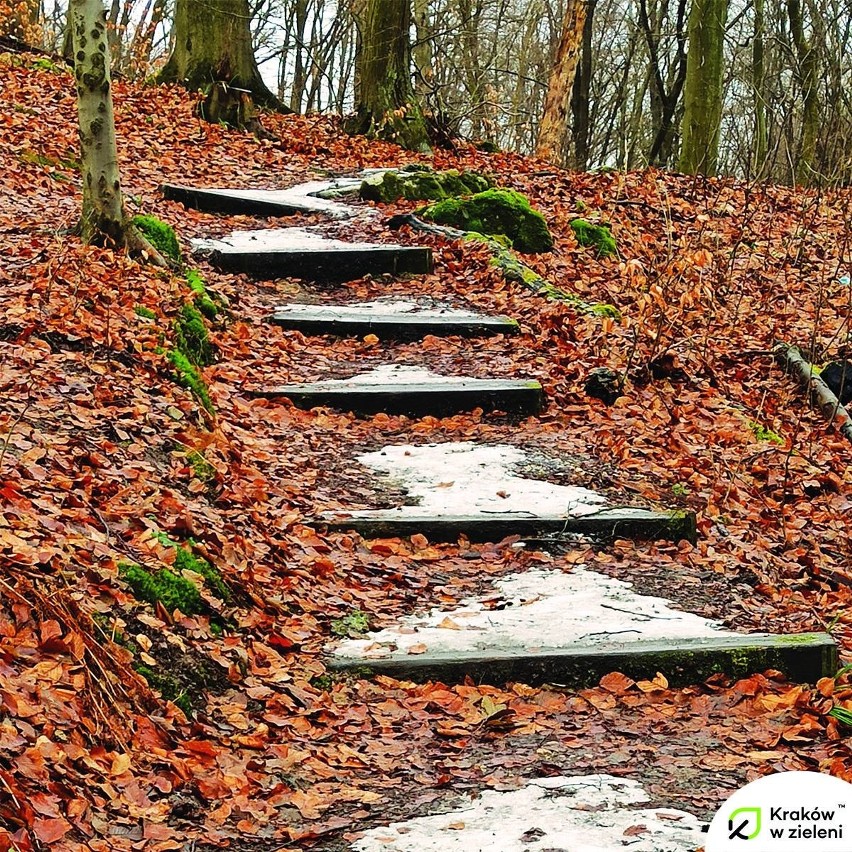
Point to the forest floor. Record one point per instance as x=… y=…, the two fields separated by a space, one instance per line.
x=94 y=444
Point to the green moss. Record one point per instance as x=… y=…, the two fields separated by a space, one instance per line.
x=186 y=560
x=160 y=234
x=420 y=183
x=164 y=586
x=495 y=211
x=187 y=375
x=601 y=309
x=683 y=525
x=142 y=311
x=201 y=468
x=168 y=687
x=761 y=433
x=598 y=236
x=192 y=338
x=353 y=624
x=203 y=302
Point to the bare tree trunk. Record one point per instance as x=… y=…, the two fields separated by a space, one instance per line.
x=554 y=126
x=103 y=219
x=703 y=89
x=760 y=147
x=387 y=107
x=103 y=215
x=213 y=51
x=297 y=93
x=807 y=75
x=581 y=95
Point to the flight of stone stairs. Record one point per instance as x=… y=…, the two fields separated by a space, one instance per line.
x=539 y=626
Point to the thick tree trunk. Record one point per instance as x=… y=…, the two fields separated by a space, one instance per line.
x=213 y=49
x=387 y=107
x=553 y=128
x=703 y=93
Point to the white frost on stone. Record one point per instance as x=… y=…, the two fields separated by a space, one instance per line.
x=587 y=813
x=467 y=479
x=281 y=240
x=380 y=307
x=541 y=610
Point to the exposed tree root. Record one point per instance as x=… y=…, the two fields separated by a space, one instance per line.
x=508 y=262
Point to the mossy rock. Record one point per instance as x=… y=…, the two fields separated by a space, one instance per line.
x=598 y=236
x=493 y=212
x=421 y=183
x=160 y=234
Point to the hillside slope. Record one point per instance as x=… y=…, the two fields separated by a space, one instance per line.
x=101 y=453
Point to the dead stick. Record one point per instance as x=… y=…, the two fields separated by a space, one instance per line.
x=792 y=361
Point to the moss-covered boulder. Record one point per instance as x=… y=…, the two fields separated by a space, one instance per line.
x=494 y=212
x=598 y=236
x=421 y=183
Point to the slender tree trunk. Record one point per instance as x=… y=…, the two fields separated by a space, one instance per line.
x=297 y=93
x=103 y=217
x=760 y=148
x=807 y=75
x=387 y=107
x=581 y=95
x=554 y=125
x=213 y=51
x=703 y=88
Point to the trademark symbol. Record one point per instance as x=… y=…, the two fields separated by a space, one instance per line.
x=842 y=805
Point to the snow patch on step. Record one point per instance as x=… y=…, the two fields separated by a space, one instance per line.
x=539 y=610
x=378 y=307
x=281 y=240
x=389 y=375
x=587 y=813
x=467 y=479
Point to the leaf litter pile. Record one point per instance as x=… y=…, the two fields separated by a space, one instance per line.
x=132 y=722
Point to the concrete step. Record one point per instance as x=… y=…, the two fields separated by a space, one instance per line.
x=303 y=198
x=584 y=813
x=414 y=392
x=399 y=319
x=477 y=491
x=302 y=253
x=571 y=628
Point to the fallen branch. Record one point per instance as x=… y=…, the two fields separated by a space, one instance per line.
x=507 y=261
x=791 y=359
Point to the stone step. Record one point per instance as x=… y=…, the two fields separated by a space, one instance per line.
x=477 y=491
x=303 y=198
x=390 y=319
x=414 y=392
x=302 y=253
x=581 y=813
x=548 y=626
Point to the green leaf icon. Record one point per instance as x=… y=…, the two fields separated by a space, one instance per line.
x=744 y=824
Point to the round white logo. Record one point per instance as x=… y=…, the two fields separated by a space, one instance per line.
x=803 y=811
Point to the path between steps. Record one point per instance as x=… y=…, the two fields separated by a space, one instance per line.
x=540 y=611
